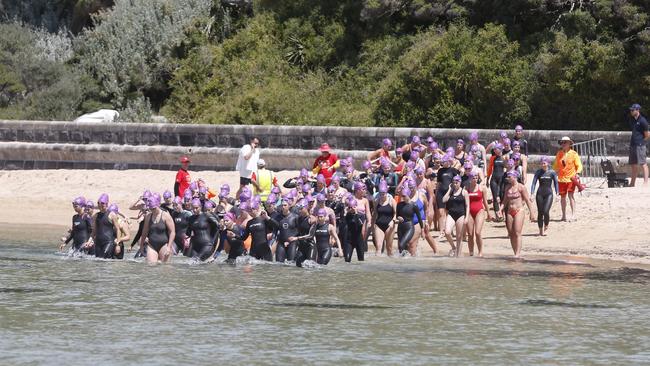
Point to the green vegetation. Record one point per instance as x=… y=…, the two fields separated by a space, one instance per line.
x=417 y=63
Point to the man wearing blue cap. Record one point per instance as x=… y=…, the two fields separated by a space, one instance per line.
x=640 y=135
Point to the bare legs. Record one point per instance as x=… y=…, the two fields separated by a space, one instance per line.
x=384 y=239
x=460 y=232
x=515 y=226
x=474 y=229
x=635 y=172
x=153 y=256
x=572 y=204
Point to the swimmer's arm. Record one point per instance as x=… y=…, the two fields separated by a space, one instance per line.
x=466 y=196
x=534 y=183
x=171 y=230
x=332 y=232
x=445 y=198
x=126 y=233
x=145 y=230
x=374 y=155
x=310 y=235
x=526 y=197
x=556 y=184
x=485 y=201
x=93 y=223
x=524 y=168
x=116 y=228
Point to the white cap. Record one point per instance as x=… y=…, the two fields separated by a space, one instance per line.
x=261 y=162
x=565 y=139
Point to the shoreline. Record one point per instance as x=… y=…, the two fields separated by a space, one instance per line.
x=610 y=225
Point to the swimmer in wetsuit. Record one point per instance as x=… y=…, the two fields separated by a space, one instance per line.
x=444 y=177
x=496 y=173
x=258 y=228
x=202 y=229
x=547 y=179
x=181 y=219
x=457 y=202
x=323 y=232
x=106 y=230
x=405 y=211
x=81 y=227
x=306 y=246
x=383 y=217
x=125 y=231
x=159 y=230
x=287 y=228
x=478 y=212
x=513 y=206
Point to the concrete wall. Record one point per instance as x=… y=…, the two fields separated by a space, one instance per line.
x=277 y=137
x=67 y=145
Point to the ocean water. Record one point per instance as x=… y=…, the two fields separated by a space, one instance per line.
x=59 y=310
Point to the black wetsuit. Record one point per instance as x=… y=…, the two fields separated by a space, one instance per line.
x=544 y=197
x=181 y=222
x=323 y=247
x=524 y=145
x=354 y=236
x=385 y=214
x=158 y=236
x=498 y=172
x=287 y=227
x=236 y=244
x=306 y=246
x=81 y=230
x=202 y=229
x=444 y=176
x=456 y=205
x=405 y=229
x=257 y=228
x=105 y=236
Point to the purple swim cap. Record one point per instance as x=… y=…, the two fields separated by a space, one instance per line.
x=167 y=194
x=472 y=174
x=203 y=190
x=306 y=187
x=187 y=196
x=309 y=198
x=366 y=164
x=187 y=192
x=398 y=151
x=450 y=150
x=336 y=178
x=516 y=143
x=352 y=202
x=460 y=141
x=321 y=212
x=103 y=198
x=503 y=134
x=473 y=136
x=257 y=198
x=321 y=197
x=331 y=189
x=154 y=201
x=146 y=194
x=194 y=186
x=79 y=201
x=414 y=156
x=359 y=186
x=457 y=178
x=419 y=170
x=468 y=165
x=225 y=187
x=415 y=139
x=433 y=145
x=320 y=178
x=208 y=205
x=230 y=217
x=223 y=193
x=437 y=156
x=383 y=186
x=429 y=139
x=446 y=158
x=293 y=193
x=411 y=183
x=90 y=204
x=506 y=141
x=519 y=128
x=302 y=204
x=276 y=190
x=349 y=169
x=410 y=164
x=344 y=163
x=113 y=208
x=387 y=142
x=244 y=206
x=474 y=149
x=254 y=206
x=545 y=159
x=304 y=173
x=510 y=163
x=196 y=203
x=513 y=173
x=178 y=200
x=498 y=146
x=272 y=199
x=516 y=156
x=406 y=192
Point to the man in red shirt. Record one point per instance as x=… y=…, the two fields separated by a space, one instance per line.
x=326 y=164
x=182 y=177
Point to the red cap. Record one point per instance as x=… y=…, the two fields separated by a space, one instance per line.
x=185 y=159
x=324 y=147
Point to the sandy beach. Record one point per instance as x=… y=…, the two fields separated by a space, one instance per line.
x=611 y=222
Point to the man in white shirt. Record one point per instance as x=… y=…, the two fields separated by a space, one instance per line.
x=249 y=154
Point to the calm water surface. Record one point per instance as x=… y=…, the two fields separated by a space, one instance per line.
x=56 y=310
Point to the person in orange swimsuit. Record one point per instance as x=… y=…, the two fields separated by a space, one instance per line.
x=478 y=211
x=513 y=206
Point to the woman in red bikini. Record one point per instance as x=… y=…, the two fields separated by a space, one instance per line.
x=513 y=206
x=478 y=210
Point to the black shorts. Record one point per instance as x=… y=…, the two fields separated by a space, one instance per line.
x=637 y=155
x=244 y=181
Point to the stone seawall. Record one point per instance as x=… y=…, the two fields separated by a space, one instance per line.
x=67 y=145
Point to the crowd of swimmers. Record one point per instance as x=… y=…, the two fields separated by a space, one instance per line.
x=334 y=210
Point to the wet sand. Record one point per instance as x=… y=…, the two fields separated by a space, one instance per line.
x=611 y=223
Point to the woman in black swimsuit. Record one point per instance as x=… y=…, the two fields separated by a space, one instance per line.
x=159 y=229
x=383 y=216
x=457 y=202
